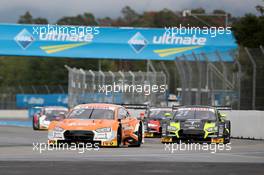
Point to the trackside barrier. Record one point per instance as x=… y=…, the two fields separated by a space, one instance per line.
x=246 y=124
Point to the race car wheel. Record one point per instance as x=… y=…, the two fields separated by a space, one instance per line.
x=33 y=124
x=119 y=136
x=140 y=136
x=227 y=134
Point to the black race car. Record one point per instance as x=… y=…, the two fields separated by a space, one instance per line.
x=197 y=124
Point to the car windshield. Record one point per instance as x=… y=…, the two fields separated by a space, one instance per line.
x=189 y=113
x=92 y=113
x=51 y=114
x=159 y=114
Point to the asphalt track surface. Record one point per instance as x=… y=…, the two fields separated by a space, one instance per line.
x=19 y=156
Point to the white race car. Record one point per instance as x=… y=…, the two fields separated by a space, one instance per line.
x=42 y=119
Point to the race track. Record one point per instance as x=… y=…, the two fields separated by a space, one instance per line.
x=17 y=150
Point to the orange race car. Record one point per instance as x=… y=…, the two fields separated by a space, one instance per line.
x=105 y=124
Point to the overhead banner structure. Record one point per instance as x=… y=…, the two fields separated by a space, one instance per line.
x=110 y=42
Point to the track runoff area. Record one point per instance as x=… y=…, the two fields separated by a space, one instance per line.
x=25 y=151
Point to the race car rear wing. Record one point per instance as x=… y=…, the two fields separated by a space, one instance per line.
x=175 y=107
x=223 y=107
x=135 y=106
x=136 y=110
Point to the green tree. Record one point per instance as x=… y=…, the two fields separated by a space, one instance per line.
x=249 y=31
x=40 y=21
x=26 y=18
x=146 y=19
x=198 y=11
x=165 y=17
x=107 y=21
x=219 y=11
x=87 y=19
x=129 y=15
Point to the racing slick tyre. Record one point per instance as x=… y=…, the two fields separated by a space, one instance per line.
x=119 y=136
x=140 y=136
x=33 y=125
x=227 y=134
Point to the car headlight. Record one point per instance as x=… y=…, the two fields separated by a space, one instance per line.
x=212 y=129
x=103 y=130
x=172 y=128
x=58 y=129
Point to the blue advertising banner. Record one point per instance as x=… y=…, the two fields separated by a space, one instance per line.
x=31 y=100
x=111 y=43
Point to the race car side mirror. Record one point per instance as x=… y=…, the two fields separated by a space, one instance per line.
x=223 y=116
x=167 y=114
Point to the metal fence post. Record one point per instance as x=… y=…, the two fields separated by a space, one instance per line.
x=113 y=80
x=167 y=73
x=239 y=82
x=103 y=78
x=103 y=81
x=224 y=70
x=133 y=83
x=253 y=78
x=84 y=81
x=69 y=85
x=142 y=76
x=182 y=80
x=151 y=66
x=190 y=78
x=93 y=80
x=61 y=88
x=123 y=79
x=198 y=96
x=207 y=78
